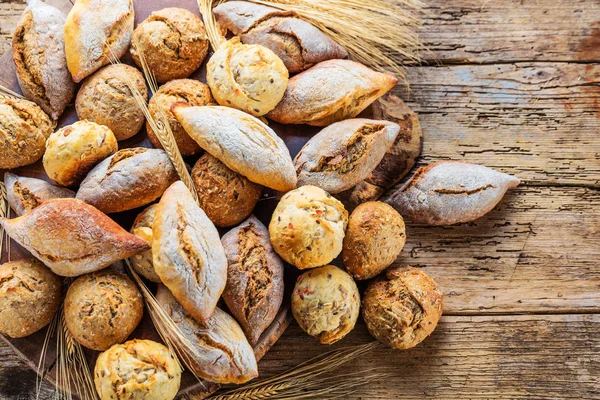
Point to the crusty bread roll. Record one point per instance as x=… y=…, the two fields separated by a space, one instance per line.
x=142 y=228
x=329 y=92
x=38 y=50
x=94 y=29
x=344 y=153
x=24 y=194
x=299 y=44
x=240 y=141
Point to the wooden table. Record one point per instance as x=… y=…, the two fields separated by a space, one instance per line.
x=514 y=85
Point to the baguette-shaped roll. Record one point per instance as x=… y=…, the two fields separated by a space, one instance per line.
x=242 y=142
x=451 y=192
x=329 y=92
x=94 y=29
x=345 y=153
x=24 y=194
x=220 y=351
x=128 y=179
x=187 y=252
x=72 y=238
x=299 y=44
x=38 y=50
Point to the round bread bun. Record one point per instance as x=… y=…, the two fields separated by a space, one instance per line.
x=137 y=369
x=307 y=227
x=102 y=309
x=30 y=295
x=374 y=238
x=142 y=228
x=105 y=98
x=326 y=303
x=173 y=43
x=23 y=133
x=72 y=151
x=402 y=307
x=249 y=77
x=190 y=91
x=226 y=197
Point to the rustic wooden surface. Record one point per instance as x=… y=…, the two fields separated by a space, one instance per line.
x=515 y=85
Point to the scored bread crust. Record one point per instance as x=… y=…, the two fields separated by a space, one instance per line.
x=24 y=194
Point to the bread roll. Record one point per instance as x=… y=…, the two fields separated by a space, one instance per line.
x=241 y=142
x=71 y=237
x=329 y=92
x=451 y=192
x=220 y=350
x=187 y=252
x=250 y=78
x=128 y=179
x=24 y=194
x=30 y=295
x=345 y=153
x=299 y=44
x=142 y=228
x=38 y=50
x=137 y=369
x=23 y=132
x=105 y=98
x=173 y=42
x=72 y=151
x=254 y=289
x=93 y=30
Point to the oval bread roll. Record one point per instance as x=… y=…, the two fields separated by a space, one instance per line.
x=345 y=153
x=187 y=252
x=329 y=92
x=90 y=26
x=242 y=142
x=24 y=194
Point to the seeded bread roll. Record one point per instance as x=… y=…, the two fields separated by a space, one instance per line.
x=374 y=238
x=30 y=295
x=254 y=289
x=299 y=44
x=307 y=227
x=93 y=30
x=102 y=309
x=135 y=370
x=38 y=50
x=24 y=194
x=226 y=197
x=72 y=151
x=128 y=179
x=189 y=91
x=23 y=132
x=402 y=307
x=329 y=92
x=142 y=228
x=105 y=98
x=326 y=303
x=173 y=43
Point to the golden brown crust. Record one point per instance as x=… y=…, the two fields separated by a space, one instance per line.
x=189 y=91
x=374 y=238
x=137 y=369
x=254 y=289
x=72 y=151
x=24 y=128
x=130 y=178
x=105 y=98
x=173 y=42
x=226 y=197
x=102 y=309
x=30 y=295
x=402 y=307
x=24 y=194
x=326 y=303
x=142 y=228
x=71 y=237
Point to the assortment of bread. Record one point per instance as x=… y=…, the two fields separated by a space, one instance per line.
x=174 y=242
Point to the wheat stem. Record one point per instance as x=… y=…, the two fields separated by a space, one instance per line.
x=215 y=36
x=6 y=92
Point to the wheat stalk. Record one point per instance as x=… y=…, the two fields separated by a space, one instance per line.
x=4 y=214
x=6 y=92
x=212 y=28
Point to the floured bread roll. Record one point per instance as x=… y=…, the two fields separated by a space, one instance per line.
x=94 y=29
x=38 y=50
x=329 y=92
x=142 y=228
x=250 y=78
x=24 y=194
